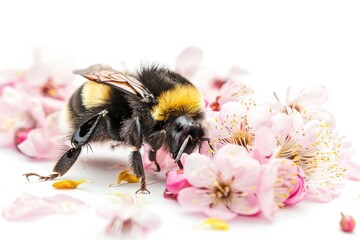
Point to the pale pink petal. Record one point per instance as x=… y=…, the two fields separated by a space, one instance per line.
x=37 y=112
x=247 y=205
x=258 y=116
x=52 y=130
x=51 y=105
x=232 y=110
x=233 y=90
x=194 y=199
x=188 y=61
x=27 y=207
x=37 y=146
x=262 y=159
x=282 y=124
x=219 y=211
x=297 y=120
x=247 y=175
x=265 y=140
x=266 y=188
x=199 y=170
x=128 y=222
x=313 y=95
x=352 y=170
x=233 y=160
x=16 y=101
x=313 y=112
x=148 y=220
x=38 y=74
x=319 y=194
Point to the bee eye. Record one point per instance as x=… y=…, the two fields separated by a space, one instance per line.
x=179 y=128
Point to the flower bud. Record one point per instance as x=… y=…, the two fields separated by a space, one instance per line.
x=347 y=223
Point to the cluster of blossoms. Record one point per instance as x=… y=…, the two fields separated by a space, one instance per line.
x=263 y=156
x=30 y=102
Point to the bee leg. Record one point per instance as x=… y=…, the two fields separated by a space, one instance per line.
x=156 y=140
x=209 y=143
x=80 y=138
x=152 y=158
x=135 y=138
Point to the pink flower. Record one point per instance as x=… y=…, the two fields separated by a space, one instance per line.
x=45 y=142
x=224 y=187
x=27 y=207
x=28 y=101
x=309 y=103
x=238 y=123
x=129 y=222
x=280 y=184
x=316 y=151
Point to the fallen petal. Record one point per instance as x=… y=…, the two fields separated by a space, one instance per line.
x=215 y=224
x=68 y=184
x=125 y=176
x=28 y=207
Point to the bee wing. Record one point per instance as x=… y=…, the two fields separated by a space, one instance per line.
x=105 y=74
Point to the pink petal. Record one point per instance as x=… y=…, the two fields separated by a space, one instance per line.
x=27 y=207
x=37 y=112
x=298 y=193
x=137 y=217
x=194 y=199
x=199 y=170
x=266 y=189
x=232 y=109
x=282 y=124
x=314 y=95
x=248 y=205
x=37 y=146
x=219 y=211
x=259 y=116
x=234 y=161
x=188 y=61
x=352 y=170
x=38 y=74
x=319 y=194
x=176 y=181
x=247 y=175
x=51 y=105
x=147 y=220
x=265 y=140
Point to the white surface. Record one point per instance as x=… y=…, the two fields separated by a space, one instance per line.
x=281 y=44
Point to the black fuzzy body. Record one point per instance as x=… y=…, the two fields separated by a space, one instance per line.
x=123 y=108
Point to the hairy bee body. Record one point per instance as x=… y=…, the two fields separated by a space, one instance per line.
x=92 y=98
x=155 y=106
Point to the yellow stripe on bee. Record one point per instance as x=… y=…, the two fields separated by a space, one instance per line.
x=180 y=100
x=95 y=94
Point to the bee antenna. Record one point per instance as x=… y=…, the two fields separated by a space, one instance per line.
x=182 y=148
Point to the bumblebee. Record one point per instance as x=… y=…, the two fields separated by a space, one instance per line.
x=153 y=105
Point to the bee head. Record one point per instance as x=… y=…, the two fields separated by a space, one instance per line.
x=183 y=136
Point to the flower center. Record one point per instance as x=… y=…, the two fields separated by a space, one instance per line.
x=222 y=192
x=49 y=89
x=242 y=138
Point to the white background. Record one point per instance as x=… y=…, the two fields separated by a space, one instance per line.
x=280 y=43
